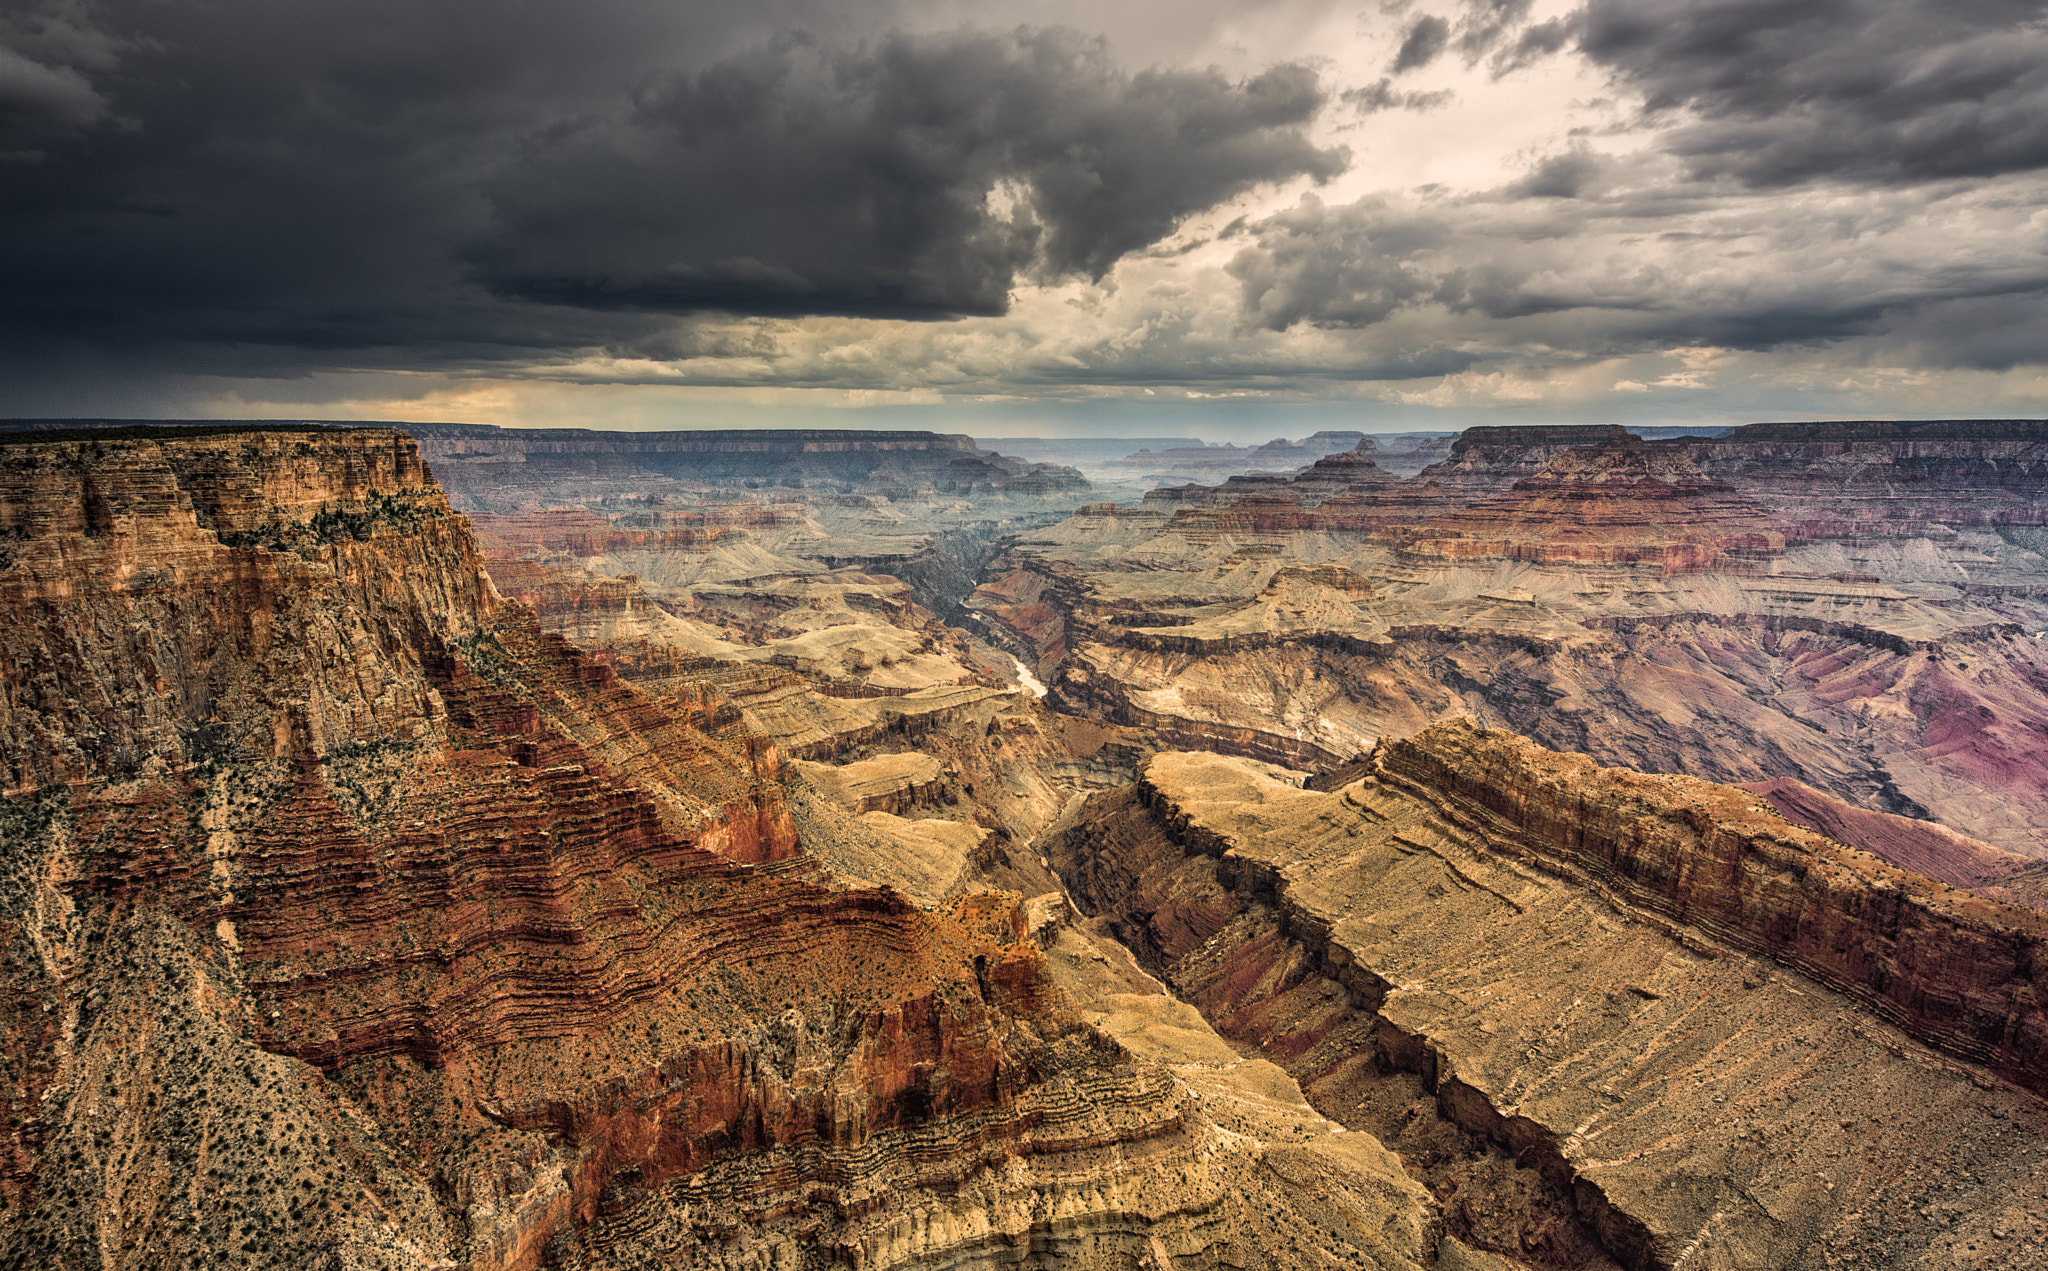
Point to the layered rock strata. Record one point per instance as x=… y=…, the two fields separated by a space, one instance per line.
x=1621 y=502
x=1648 y=604
x=1717 y=1039
x=1922 y=847
x=439 y=944
x=1883 y=479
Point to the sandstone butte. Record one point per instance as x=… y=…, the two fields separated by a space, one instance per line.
x=1705 y=1036
x=350 y=920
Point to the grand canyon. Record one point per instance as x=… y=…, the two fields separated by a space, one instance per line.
x=1550 y=848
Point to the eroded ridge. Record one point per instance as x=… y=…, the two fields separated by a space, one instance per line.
x=1717 y=1039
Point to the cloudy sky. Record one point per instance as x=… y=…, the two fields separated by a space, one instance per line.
x=1204 y=217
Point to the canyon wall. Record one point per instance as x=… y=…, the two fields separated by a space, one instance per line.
x=1605 y=1014
x=349 y=915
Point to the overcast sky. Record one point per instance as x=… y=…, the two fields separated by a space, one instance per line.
x=1199 y=217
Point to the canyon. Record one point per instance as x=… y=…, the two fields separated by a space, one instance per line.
x=1550 y=848
x=354 y=918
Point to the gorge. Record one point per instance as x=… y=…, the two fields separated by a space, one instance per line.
x=489 y=848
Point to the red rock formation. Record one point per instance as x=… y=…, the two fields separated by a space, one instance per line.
x=1921 y=847
x=557 y=598
x=240 y=593
x=1618 y=503
x=1346 y=471
x=1018 y=602
x=1485 y=462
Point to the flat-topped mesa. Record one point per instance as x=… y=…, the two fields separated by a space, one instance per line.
x=1345 y=472
x=1621 y=502
x=1168 y=499
x=1907 y=431
x=1486 y=461
x=1352 y=475
x=175 y=595
x=1955 y=970
x=486 y=438
x=1888 y=479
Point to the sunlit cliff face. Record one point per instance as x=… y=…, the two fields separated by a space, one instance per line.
x=1032 y=214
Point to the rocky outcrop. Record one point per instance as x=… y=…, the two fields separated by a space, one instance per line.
x=581 y=533
x=179 y=596
x=1485 y=462
x=1668 y=1006
x=1951 y=970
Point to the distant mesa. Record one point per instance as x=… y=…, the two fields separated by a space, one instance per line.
x=1619 y=502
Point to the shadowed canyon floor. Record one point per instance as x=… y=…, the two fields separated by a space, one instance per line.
x=811 y=849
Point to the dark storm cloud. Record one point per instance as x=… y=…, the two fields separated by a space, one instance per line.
x=1498 y=27
x=1563 y=176
x=811 y=179
x=1778 y=92
x=1697 y=241
x=1535 y=43
x=1426 y=39
x=258 y=188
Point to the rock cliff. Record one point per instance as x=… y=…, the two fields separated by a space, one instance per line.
x=1620 y=502
x=1610 y=1015
x=1884 y=479
x=512 y=469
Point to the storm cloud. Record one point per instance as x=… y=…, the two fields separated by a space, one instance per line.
x=918 y=176
x=924 y=197
x=1587 y=254
x=1426 y=39
x=1780 y=92
x=392 y=183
